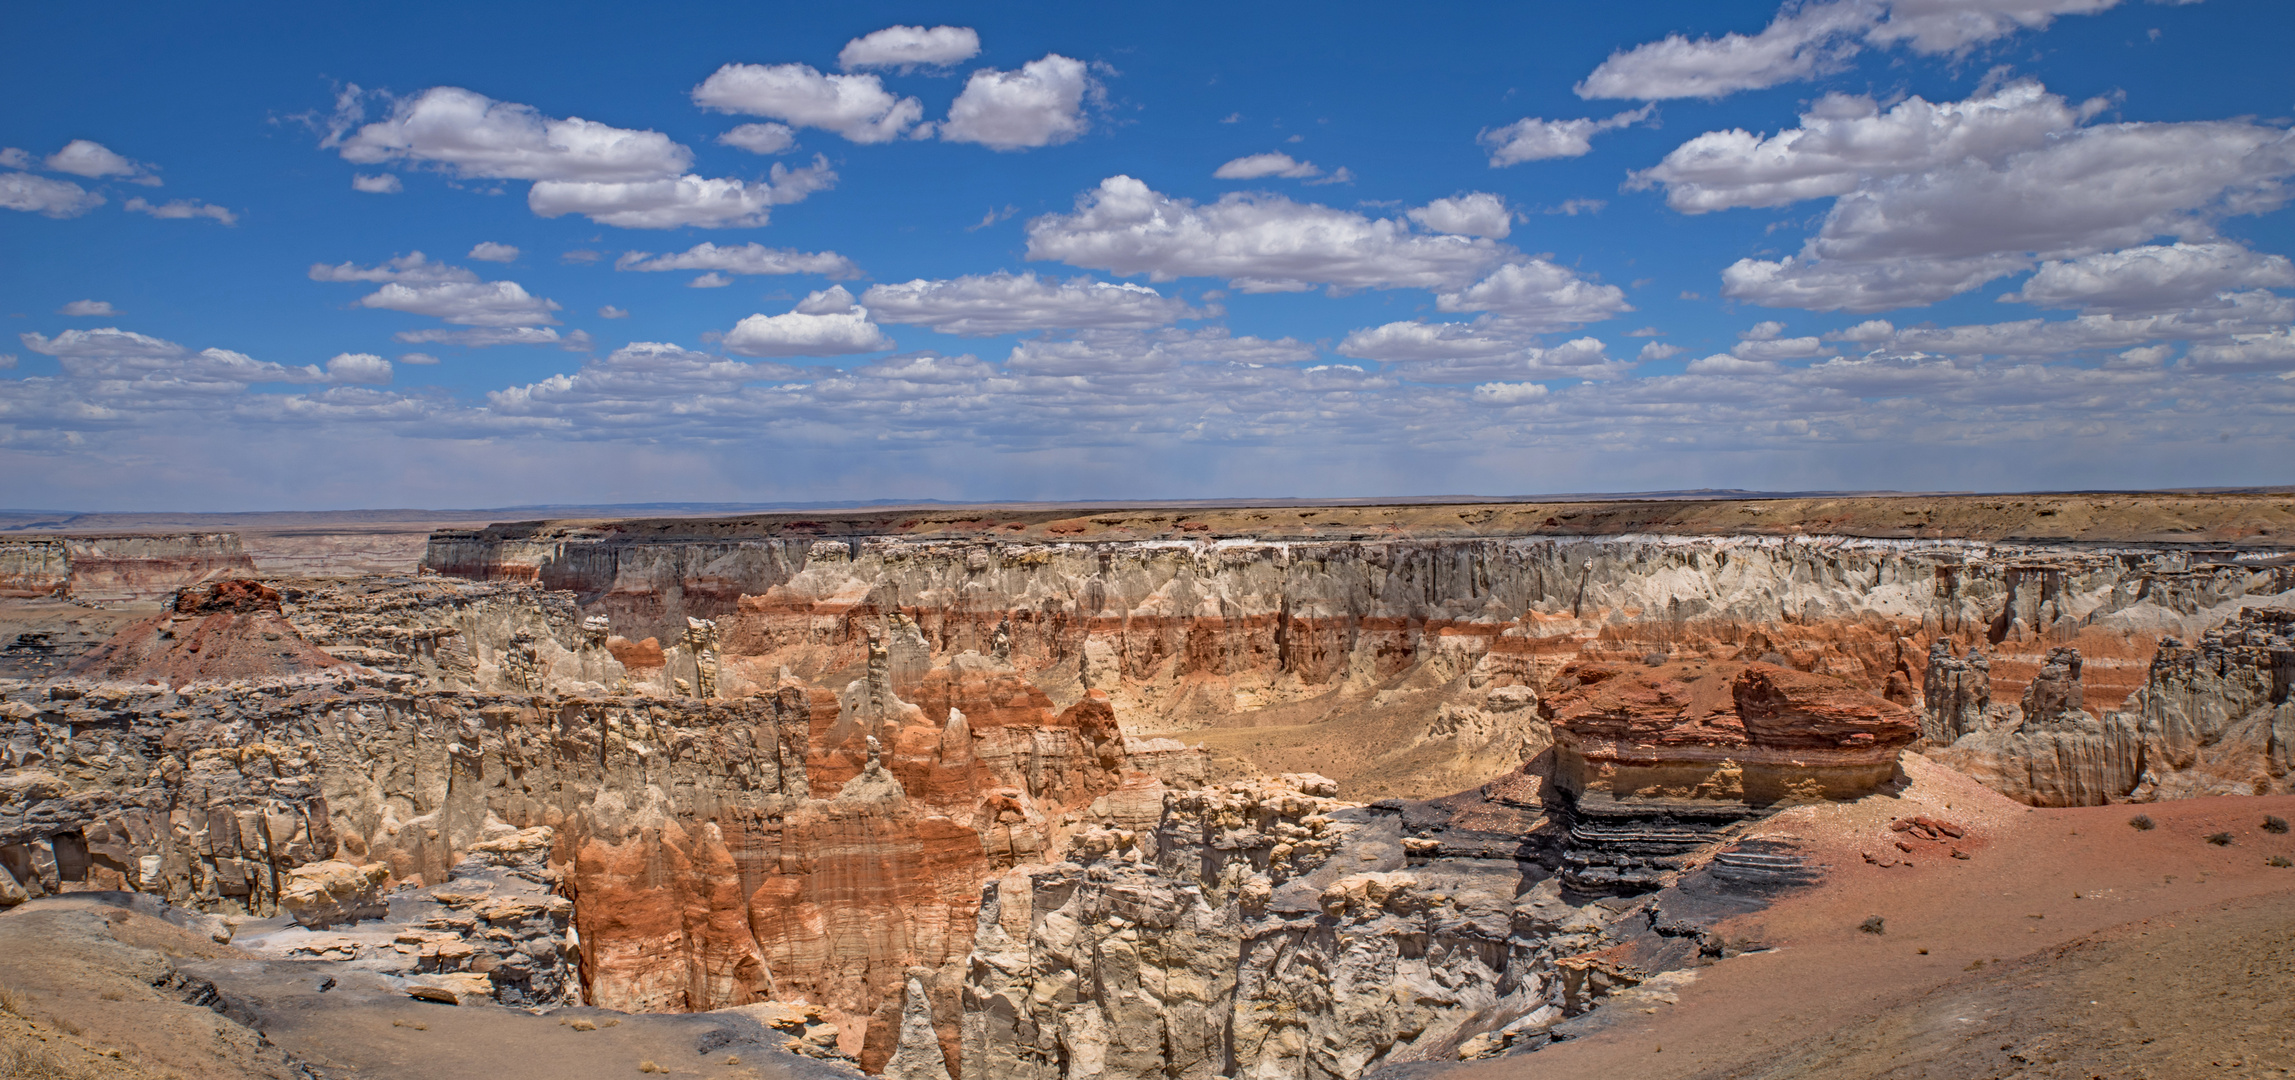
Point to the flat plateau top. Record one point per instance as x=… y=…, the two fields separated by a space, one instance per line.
x=2227 y=519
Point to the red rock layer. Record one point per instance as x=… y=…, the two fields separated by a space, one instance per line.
x=1756 y=732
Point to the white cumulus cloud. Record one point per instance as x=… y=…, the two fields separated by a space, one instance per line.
x=1131 y=352
x=1040 y=104
x=1914 y=227
x=161 y=365
x=825 y=323
x=1509 y=393
x=83 y=157
x=613 y=176
x=680 y=201
x=1260 y=242
x=752 y=258
x=1004 y=303
x=379 y=184
x=857 y=107
x=466 y=303
x=40 y=195
x=181 y=209
x=1844 y=141
x=1538 y=139
x=909 y=48
x=489 y=251
x=2152 y=277
x=413 y=268
x=489 y=336
x=84 y=309
x=1259 y=166
x=1807 y=40
x=1534 y=294
x=472 y=135
x=1476 y=213
x=359 y=368
x=767 y=138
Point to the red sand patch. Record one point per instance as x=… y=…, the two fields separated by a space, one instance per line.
x=2036 y=880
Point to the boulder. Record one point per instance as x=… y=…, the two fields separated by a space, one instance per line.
x=330 y=893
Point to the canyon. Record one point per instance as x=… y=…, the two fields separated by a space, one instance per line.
x=1269 y=791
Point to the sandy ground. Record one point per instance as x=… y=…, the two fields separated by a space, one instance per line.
x=2003 y=949
x=93 y=990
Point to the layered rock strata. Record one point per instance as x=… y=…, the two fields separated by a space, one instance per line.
x=913 y=784
x=1651 y=765
x=2211 y=719
x=113 y=568
x=1190 y=633
x=2216 y=715
x=705 y=852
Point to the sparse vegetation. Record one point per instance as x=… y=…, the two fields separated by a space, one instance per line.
x=2273 y=823
x=415 y=1024
x=2278 y=860
x=650 y=1067
x=15 y=1001
x=25 y=1061
x=2141 y=823
x=1873 y=925
x=581 y=1025
x=2221 y=839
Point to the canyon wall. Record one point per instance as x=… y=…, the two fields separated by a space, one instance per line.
x=33 y=567
x=997 y=800
x=113 y=568
x=1186 y=635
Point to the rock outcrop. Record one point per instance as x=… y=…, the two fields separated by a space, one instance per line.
x=232 y=630
x=2049 y=750
x=1651 y=764
x=2217 y=716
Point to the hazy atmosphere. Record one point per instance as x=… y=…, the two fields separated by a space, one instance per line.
x=454 y=255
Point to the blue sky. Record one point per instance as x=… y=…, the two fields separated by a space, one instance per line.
x=1088 y=251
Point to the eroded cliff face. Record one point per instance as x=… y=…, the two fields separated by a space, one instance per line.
x=2210 y=719
x=931 y=790
x=110 y=568
x=1201 y=635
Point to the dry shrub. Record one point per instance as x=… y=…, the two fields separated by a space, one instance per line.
x=2221 y=839
x=15 y=1001
x=650 y=1067
x=27 y=1061
x=2273 y=823
x=2141 y=823
x=581 y=1025
x=1873 y=925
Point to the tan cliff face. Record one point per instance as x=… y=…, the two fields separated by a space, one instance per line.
x=942 y=790
x=1212 y=637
